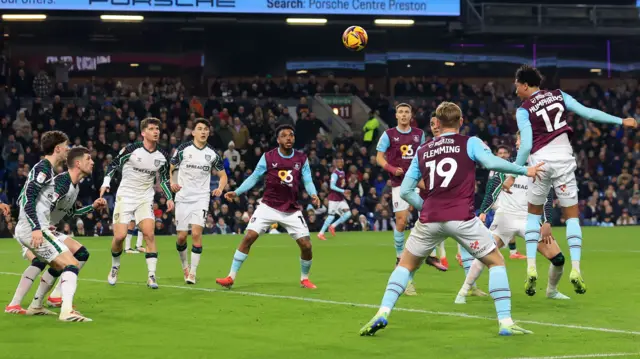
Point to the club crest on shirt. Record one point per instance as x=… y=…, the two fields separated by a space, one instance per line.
x=157 y=163
x=416 y=138
x=296 y=166
x=207 y=157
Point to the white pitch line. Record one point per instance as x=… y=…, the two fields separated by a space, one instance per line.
x=361 y=305
x=601 y=355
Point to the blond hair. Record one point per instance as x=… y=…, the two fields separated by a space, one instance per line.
x=449 y=115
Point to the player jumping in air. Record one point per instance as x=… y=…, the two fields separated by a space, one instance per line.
x=510 y=220
x=544 y=136
x=139 y=163
x=283 y=168
x=195 y=160
x=337 y=204
x=56 y=200
x=447 y=165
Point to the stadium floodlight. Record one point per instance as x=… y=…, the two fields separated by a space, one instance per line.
x=394 y=22
x=24 y=17
x=448 y=63
x=122 y=18
x=596 y=71
x=306 y=21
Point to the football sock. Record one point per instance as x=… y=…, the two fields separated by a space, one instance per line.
x=501 y=294
x=195 y=258
x=82 y=255
x=467 y=260
x=531 y=236
x=556 y=268
x=69 y=279
x=327 y=223
x=127 y=239
x=395 y=287
x=512 y=248
x=47 y=281
x=442 y=250
x=182 y=251
x=574 y=237
x=26 y=281
x=115 y=259
x=138 y=233
x=305 y=267
x=398 y=241
x=474 y=273
x=152 y=262
x=345 y=216
x=238 y=259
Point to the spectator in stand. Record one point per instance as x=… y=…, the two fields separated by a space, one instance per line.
x=232 y=155
x=370 y=130
x=240 y=134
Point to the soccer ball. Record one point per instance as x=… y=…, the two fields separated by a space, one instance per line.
x=355 y=38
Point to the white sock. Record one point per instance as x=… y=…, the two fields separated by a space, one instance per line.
x=140 y=239
x=183 y=258
x=555 y=273
x=127 y=241
x=195 y=260
x=506 y=321
x=26 y=281
x=443 y=251
x=115 y=261
x=46 y=282
x=69 y=284
x=531 y=262
x=474 y=273
x=576 y=265
x=152 y=262
x=57 y=291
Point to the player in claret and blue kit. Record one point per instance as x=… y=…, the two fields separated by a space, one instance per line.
x=338 y=207
x=447 y=165
x=283 y=168
x=544 y=135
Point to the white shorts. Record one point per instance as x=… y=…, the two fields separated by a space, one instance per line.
x=265 y=216
x=559 y=174
x=191 y=213
x=506 y=227
x=399 y=204
x=52 y=246
x=23 y=249
x=125 y=212
x=338 y=207
x=471 y=234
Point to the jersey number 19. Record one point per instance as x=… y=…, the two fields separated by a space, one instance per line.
x=445 y=174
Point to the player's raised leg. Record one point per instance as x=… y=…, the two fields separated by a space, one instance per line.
x=147 y=226
x=196 y=252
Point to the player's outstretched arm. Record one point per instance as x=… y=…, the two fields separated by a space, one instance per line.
x=492 y=192
x=255 y=177
x=526 y=136
x=410 y=183
x=479 y=152
x=116 y=165
x=590 y=114
x=333 y=184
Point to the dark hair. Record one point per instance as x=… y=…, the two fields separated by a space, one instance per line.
x=203 y=121
x=149 y=121
x=285 y=127
x=504 y=147
x=75 y=154
x=51 y=139
x=433 y=114
x=529 y=75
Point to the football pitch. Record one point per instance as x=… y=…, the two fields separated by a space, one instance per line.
x=268 y=315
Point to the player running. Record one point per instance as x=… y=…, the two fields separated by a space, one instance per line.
x=447 y=165
x=139 y=163
x=337 y=204
x=56 y=200
x=544 y=131
x=510 y=220
x=492 y=192
x=284 y=169
x=195 y=160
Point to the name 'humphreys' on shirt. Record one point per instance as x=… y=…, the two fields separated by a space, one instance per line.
x=542 y=100
x=442 y=146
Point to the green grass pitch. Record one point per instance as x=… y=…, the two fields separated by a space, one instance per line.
x=267 y=314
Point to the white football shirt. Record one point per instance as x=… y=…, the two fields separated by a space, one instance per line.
x=194 y=175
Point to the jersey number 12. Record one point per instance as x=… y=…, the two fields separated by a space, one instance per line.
x=558 y=123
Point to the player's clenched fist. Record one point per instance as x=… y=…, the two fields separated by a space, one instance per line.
x=176 y=187
x=100 y=203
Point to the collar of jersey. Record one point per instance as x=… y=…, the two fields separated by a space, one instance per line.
x=283 y=156
x=196 y=146
x=398 y=128
x=448 y=134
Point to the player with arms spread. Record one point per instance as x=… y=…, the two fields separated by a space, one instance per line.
x=139 y=163
x=447 y=166
x=195 y=159
x=510 y=220
x=283 y=168
x=56 y=201
x=545 y=138
x=337 y=204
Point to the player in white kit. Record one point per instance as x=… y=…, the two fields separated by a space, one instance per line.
x=195 y=160
x=56 y=201
x=510 y=221
x=139 y=162
x=542 y=121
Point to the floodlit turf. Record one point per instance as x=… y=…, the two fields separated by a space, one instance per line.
x=266 y=316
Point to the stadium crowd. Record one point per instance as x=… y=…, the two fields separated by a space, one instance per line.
x=105 y=116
